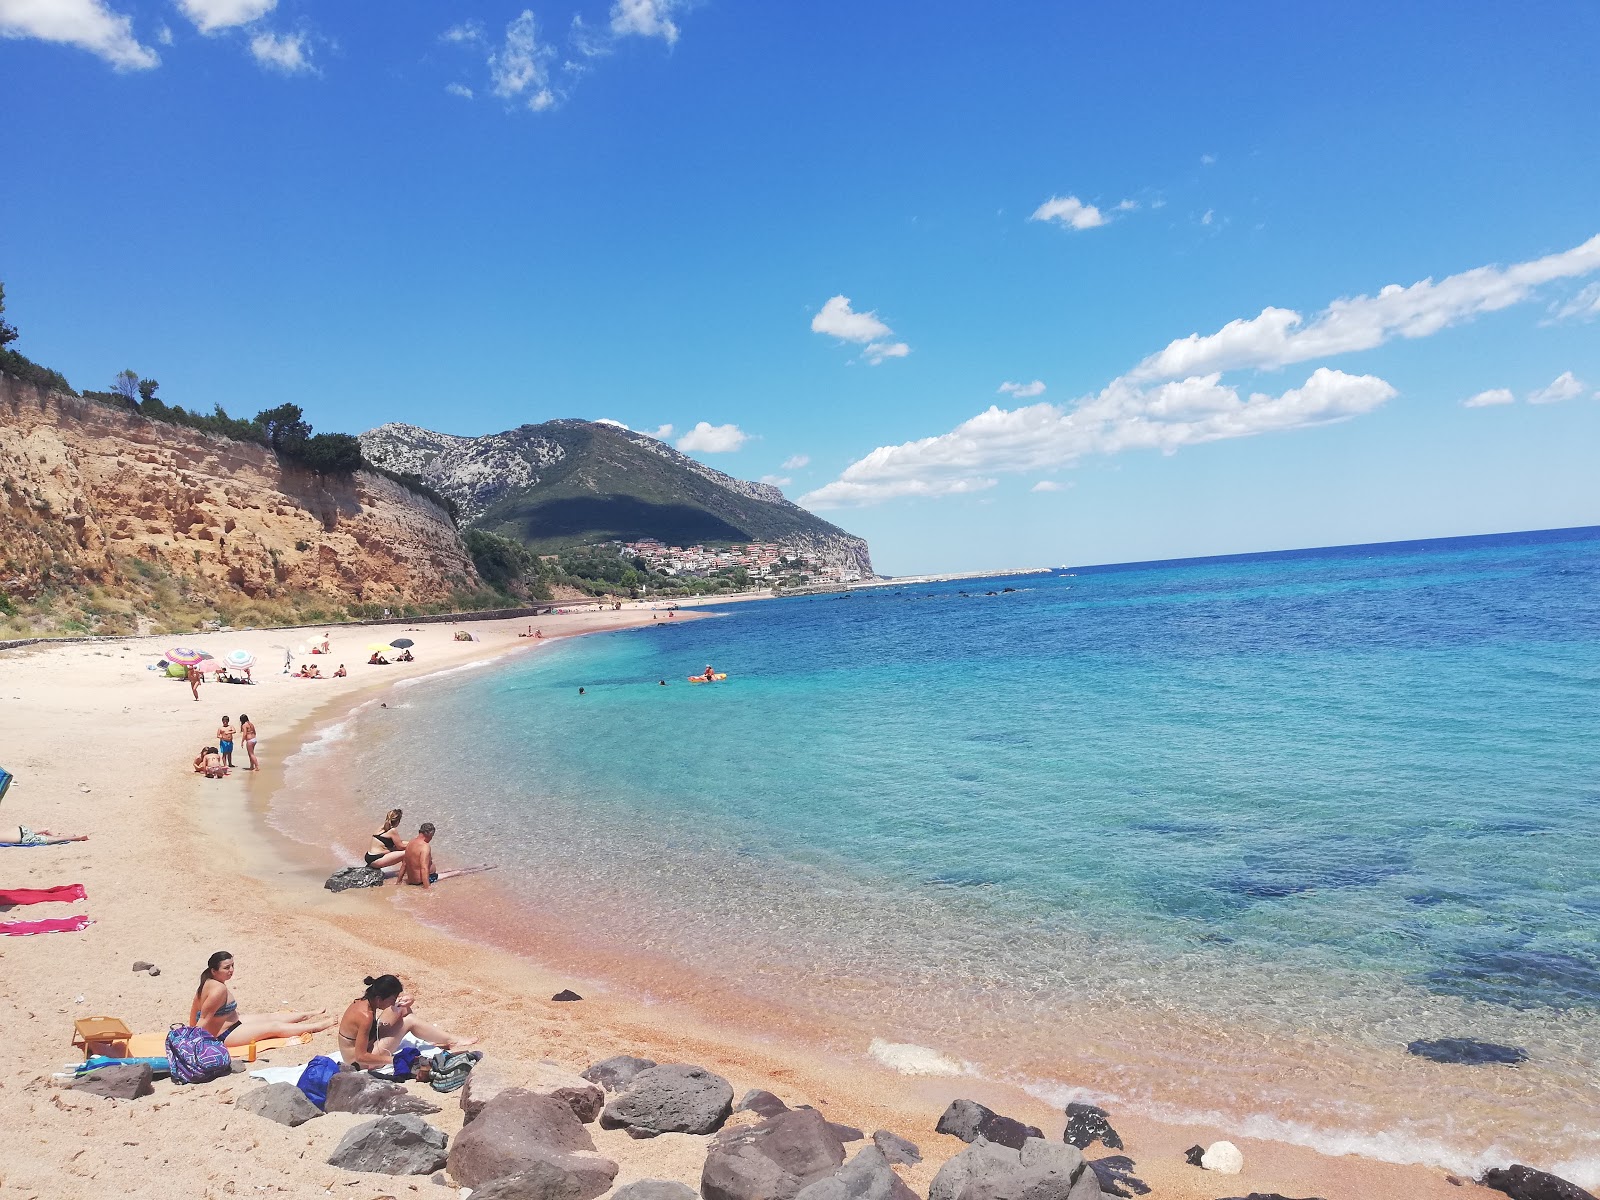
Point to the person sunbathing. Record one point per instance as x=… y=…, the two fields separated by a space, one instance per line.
x=377 y=660
x=387 y=846
x=210 y=763
x=36 y=837
x=340 y=673
x=405 y=656
x=416 y=865
x=216 y=1011
x=377 y=1022
x=200 y=760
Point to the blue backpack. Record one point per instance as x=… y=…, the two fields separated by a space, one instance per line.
x=315 y=1078
x=194 y=1056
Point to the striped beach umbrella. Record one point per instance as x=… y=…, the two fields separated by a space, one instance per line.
x=184 y=656
x=240 y=658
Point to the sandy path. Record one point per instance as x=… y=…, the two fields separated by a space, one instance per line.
x=177 y=867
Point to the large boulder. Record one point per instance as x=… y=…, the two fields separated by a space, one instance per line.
x=557 y=1176
x=391 y=1146
x=1041 y=1170
x=360 y=1092
x=771 y=1160
x=655 y=1189
x=1115 y=1173
x=584 y=1098
x=867 y=1176
x=969 y=1121
x=896 y=1148
x=671 y=1099
x=519 y=1131
x=763 y=1104
x=1223 y=1157
x=1524 y=1183
x=616 y=1072
x=125 y=1081
x=281 y=1102
x=1086 y=1124
x=346 y=878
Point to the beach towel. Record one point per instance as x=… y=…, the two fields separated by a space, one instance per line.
x=63 y=894
x=59 y=925
x=159 y=1066
x=5 y=781
x=152 y=1044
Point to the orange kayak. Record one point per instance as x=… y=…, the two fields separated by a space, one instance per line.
x=703 y=679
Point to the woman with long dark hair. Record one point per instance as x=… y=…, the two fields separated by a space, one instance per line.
x=216 y=1011
x=377 y=1021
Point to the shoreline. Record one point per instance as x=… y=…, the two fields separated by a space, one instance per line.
x=187 y=894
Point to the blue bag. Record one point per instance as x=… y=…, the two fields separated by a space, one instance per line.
x=405 y=1061
x=314 y=1079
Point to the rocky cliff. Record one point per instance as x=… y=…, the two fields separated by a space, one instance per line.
x=120 y=515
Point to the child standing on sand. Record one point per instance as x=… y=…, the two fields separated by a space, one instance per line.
x=225 y=741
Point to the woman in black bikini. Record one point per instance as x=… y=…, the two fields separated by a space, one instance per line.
x=387 y=847
x=375 y=1025
x=217 y=1012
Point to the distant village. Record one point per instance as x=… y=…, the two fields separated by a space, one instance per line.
x=765 y=561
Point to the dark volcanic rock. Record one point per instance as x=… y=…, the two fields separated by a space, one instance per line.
x=1041 y=1170
x=566 y=995
x=359 y=1092
x=655 y=1189
x=346 y=878
x=1524 y=1183
x=1087 y=1123
x=519 y=1131
x=558 y=1176
x=969 y=1121
x=281 y=1102
x=846 y=1133
x=544 y=1079
x=772 y=1160
x=1193 y=1155
x=127 y=1081
x=1468 y=1052
x=764 y=1104
x=867 y=1176
x=671 y=1099
x=391 y=1146
x=1115 y=1173
x=1271 y=1196
x=896 y=1149
x=615 y=1072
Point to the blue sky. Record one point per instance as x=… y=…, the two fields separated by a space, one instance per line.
x=839 y=229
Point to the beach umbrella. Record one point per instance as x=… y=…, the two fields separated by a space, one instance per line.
x=377 y=648
x=240 y=658
x=184 y=656
x=402 y=643
x=205 y=654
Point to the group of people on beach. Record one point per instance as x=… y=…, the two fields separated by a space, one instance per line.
x=216 y=761
x=412 y=856
x=371 y=1029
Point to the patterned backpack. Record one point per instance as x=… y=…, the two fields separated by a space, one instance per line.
x=195 y=1056
x=451 y=1068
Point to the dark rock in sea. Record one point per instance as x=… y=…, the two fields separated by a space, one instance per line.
x=671 y=1099
x=867 y=1176
x=518 y=1132
x=565 y=995
x=359 y=1092
x=969 y=1121
x=896 y=1148
x=346 y=878
x=1518 y=976
x=655 y=1189
x=1468 y=1052
x=615 y=1072
x=1115 y=1173
x=281 y=1102
x=126 y=1081
x=1193 y=1155
x=1088 y=1123
x=1041 y=1170
x=772 y=1160
x=1524 y=1183
x=391 y=1146
x=763 y=1104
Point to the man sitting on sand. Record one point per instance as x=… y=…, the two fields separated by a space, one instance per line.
x=416 y=867
x=340 y=673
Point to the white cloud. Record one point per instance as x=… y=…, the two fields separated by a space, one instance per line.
x=609 y=421
x=459 y=89
x=713 y=439
x=164 y=35
x=645 y=18
x=286 y=53
x=1489 y=398
x=877 y=352
x=1208 y=160
x=795 y=461
x=86 y=24
x=521 y=67
x=1126 y=206
x=777 y=480
x=1280 y=336
x=1047 y=485
x=662 y=434
x=469 y=33
x=211 y=15
x=839 y=320
x=1123 y=416
x=1563 y=387
x=1585 y=305
x=1209 y=217
x=1022 y=391
x=1070 y=211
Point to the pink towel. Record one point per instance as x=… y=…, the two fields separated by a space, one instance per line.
x=58 y=925
x=65 y=893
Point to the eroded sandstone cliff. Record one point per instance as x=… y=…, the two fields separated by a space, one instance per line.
x=103 y=508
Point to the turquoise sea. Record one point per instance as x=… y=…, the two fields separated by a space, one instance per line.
x=1212 y=837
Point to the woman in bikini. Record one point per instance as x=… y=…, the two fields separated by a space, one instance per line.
x=217 y=1012
x=376 y=1023
x=388 y=847
x=247 y=731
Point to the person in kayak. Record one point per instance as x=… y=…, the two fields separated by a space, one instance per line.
x=708 y=672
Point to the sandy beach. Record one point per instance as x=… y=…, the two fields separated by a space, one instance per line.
x=178 y=867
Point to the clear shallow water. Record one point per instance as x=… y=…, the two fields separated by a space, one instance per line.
x=1217 y=836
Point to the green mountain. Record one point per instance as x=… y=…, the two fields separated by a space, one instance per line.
x=568 y=482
